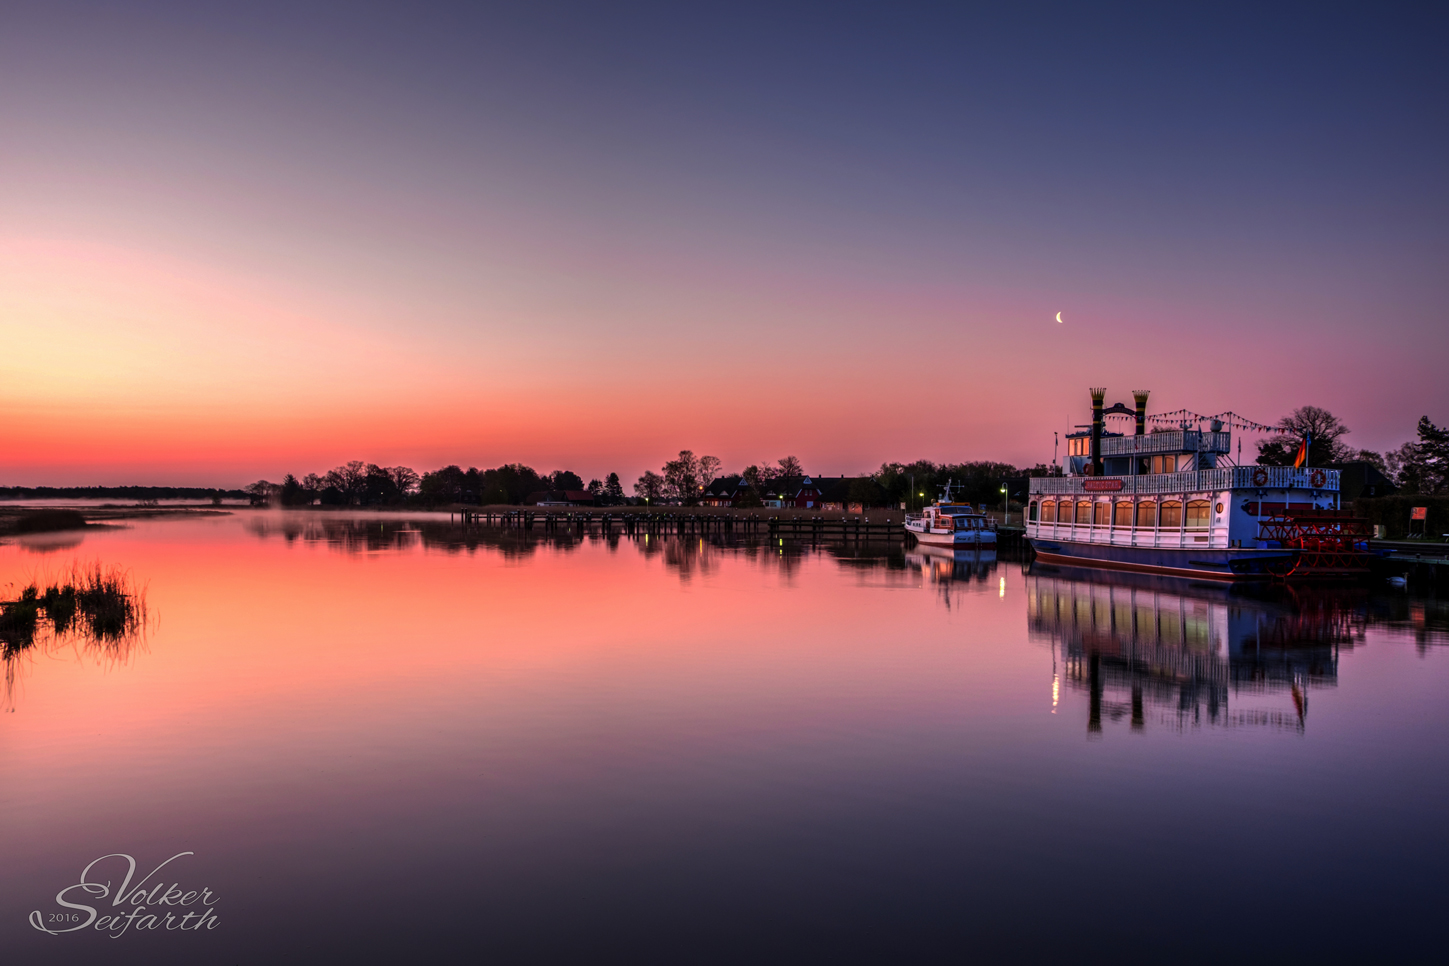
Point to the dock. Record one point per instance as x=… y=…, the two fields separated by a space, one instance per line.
x=687 y=523
x=1421 y=561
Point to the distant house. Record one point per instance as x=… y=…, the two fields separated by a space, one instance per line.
x=1358 y=478
x=798 y=492
x=850 y=494
x=724 y=491
x=560 y=498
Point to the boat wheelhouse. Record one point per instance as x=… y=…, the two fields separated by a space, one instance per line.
x=1172 y=502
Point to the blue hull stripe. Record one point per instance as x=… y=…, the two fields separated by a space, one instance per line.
x=1232 y=564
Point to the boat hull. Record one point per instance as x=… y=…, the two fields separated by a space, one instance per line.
x=958 y=539
x=1200 y=563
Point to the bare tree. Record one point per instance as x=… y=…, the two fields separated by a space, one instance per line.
x=650 y=487
x=1319 y=426
x=681 y=477
x=350 y=479
x=708 y=467
x=404 y=478
x=790 y=466
x=262 y=492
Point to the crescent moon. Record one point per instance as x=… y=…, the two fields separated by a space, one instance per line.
x=1059 y=316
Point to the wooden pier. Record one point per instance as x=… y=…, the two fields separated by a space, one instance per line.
x=686 y=523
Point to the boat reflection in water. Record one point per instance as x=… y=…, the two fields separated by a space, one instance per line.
x=944 y=564
x=1186 y=653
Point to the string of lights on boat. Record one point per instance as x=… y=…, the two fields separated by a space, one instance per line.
x=1179 y=417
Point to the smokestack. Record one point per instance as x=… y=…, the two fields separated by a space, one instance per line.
x=1097 y=396
x=1141 y=396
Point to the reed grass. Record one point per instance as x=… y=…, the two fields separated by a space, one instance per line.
x=99 y=604
x=48 y=521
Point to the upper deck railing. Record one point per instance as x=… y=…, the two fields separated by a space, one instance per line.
x=1169 y=441
x=1224 y=478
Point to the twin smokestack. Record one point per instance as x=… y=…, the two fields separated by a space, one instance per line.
x=1098 y=415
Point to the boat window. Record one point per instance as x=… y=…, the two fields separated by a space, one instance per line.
x=1171 y=515
x=1199 y=514
x=1064 y=511
x=1084 y=511
x=1102 y=514
x=1123 y=515
x=1147 y=515
x=1031 y=511
x=1049 y=511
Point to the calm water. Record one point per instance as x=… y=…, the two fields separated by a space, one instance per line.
x=384 y=743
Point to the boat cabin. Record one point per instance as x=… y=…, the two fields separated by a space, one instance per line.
x=954 y=516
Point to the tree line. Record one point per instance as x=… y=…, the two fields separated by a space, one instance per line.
x=1419 y=466
x=357 y=483
x=683 y=481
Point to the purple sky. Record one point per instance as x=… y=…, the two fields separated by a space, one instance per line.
x=240 y=241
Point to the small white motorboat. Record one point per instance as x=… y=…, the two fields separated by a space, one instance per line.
x=949 y=524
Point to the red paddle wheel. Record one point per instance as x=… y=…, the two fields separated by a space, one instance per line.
x=1330 y=543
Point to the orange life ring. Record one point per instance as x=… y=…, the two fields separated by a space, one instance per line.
x=1318 y=478
x=1260 y=477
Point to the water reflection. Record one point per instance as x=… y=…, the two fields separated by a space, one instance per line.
x=566 y=750
x=93 y=612
x=1186 y=654
x=45 y=543
x=371 y=534
x=949 y=570
x=688 y=556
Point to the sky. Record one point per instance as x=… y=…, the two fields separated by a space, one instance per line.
x=243 y=240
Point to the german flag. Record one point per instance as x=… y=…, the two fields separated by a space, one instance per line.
x=1301 y=460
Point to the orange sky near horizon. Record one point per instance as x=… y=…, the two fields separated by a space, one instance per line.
x=133 y=367
x=510 y=245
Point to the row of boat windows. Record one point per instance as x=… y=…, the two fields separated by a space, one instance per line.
x=1092 y=513
x=1171 y=463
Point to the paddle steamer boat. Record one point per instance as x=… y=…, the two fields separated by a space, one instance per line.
x=1171 y=502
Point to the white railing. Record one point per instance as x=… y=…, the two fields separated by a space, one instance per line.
x=1200 y=481
x=1171 y=441
x=1170 y=538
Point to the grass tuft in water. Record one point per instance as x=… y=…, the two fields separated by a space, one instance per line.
x=95 y=602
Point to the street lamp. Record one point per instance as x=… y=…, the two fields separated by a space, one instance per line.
x=1005 y=508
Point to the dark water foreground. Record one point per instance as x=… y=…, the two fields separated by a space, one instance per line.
x=388 y=742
